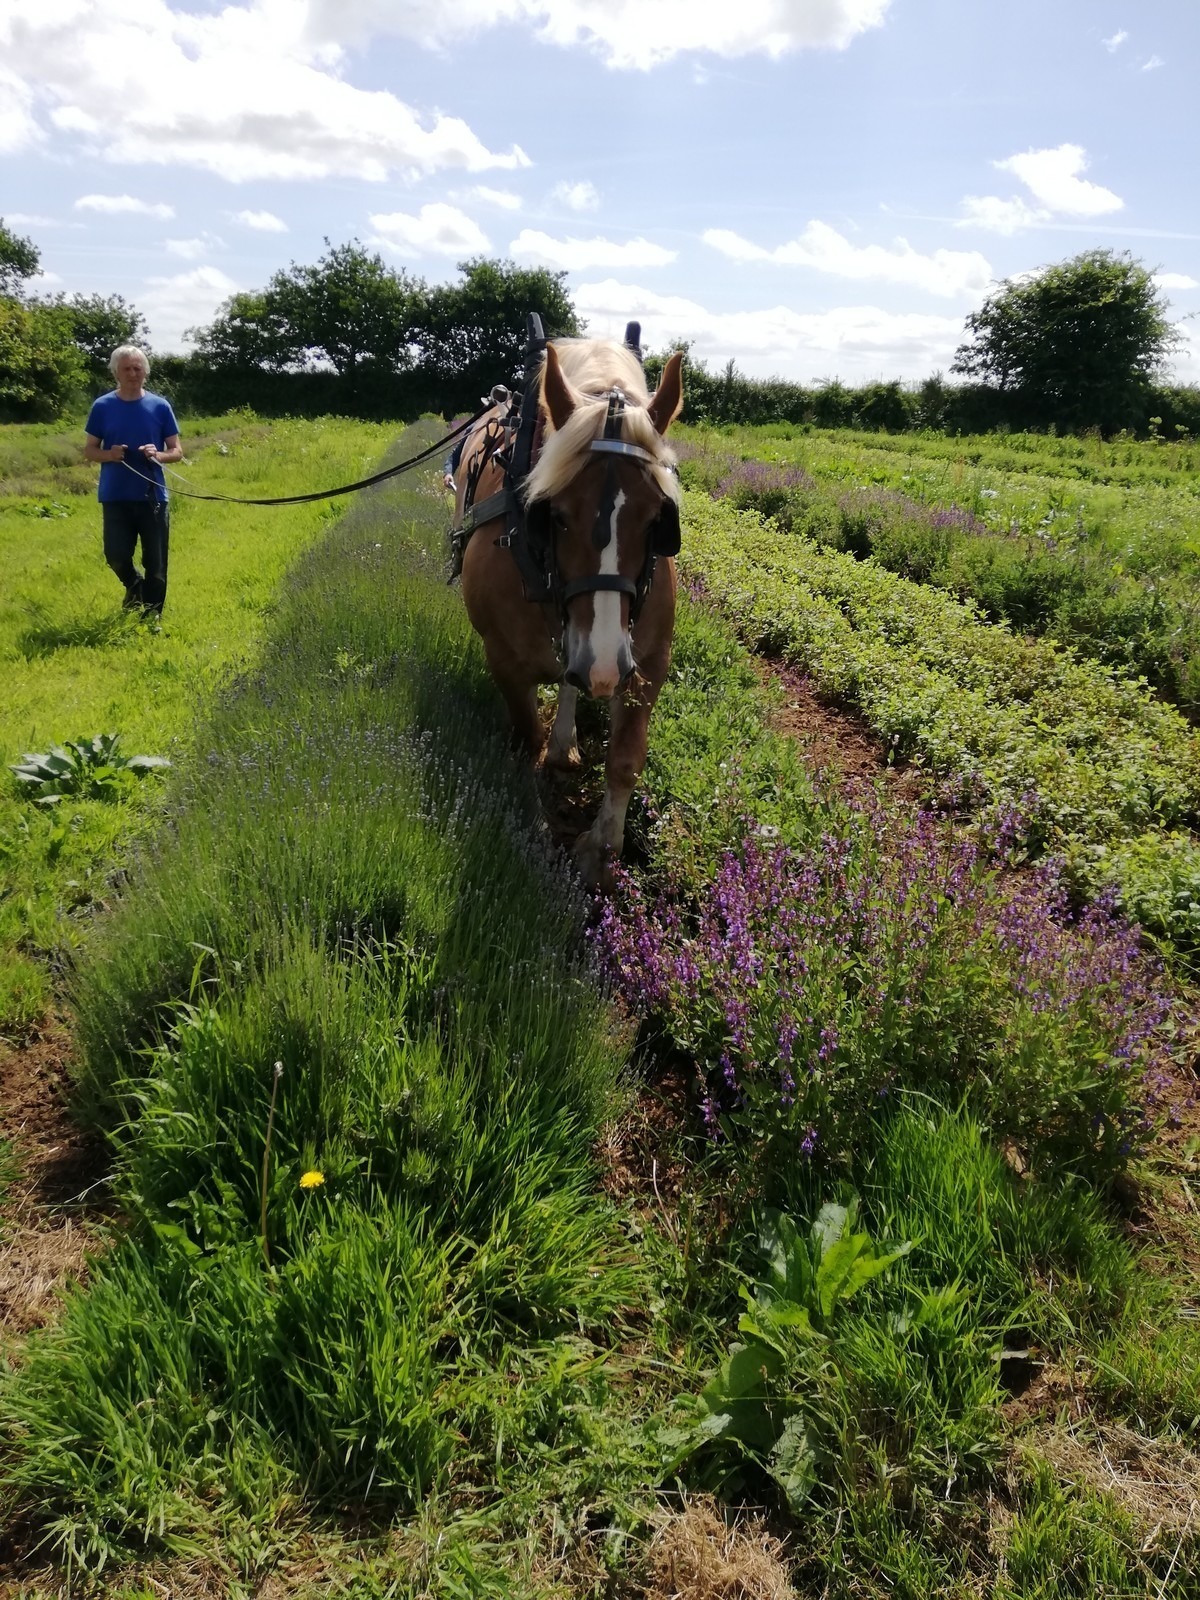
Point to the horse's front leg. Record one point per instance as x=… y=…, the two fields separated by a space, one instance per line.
x=563 y=749
x=601 y=845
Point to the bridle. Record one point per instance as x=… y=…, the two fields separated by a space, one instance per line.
x=662 y=536
x=530 y=530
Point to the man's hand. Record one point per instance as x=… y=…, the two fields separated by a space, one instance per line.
x=149 y=452
x=116 y=452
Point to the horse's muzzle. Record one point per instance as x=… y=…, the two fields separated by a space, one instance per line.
x=600 y=680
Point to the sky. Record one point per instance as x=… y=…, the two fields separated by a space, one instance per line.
x=811 y=188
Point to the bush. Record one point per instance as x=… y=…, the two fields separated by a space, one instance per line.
x=811 y=985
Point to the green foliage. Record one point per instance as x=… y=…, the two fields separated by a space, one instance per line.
x=19 y=260
x=828 y=1404
x=1080 y=340
x=348 y=309
x=472 y=333
x=41 y=368
x=393 y=341
x=1096 y=545
x=1088 y=758
x=90 y=769
x=100 y=324
x=69 y=654
x=446 y=1059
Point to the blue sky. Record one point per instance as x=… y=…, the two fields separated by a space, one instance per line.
x=815 y=188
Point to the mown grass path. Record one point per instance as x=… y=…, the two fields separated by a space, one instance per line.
x=74 y=665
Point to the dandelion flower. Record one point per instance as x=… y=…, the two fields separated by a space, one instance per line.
x=312 y=1180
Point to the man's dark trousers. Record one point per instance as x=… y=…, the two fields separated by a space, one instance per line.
x=125 y=522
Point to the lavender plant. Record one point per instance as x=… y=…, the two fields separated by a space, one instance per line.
x=810 y=984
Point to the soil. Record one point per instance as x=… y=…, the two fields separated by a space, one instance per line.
x=837 y=742
x=59 y=1192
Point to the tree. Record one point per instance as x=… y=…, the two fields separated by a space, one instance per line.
x=471 y=335
x=349 y=311
x=19 y=260
x=348 y=308
x=248 y=332
x=1077 y=344
x=41 y=368
x=101 y=324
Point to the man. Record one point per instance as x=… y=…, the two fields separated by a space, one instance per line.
x=132 y=434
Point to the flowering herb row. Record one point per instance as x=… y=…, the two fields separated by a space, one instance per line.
x=1109 y=567
x=1101 y=772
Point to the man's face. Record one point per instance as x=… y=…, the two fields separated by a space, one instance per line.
x=131 y=372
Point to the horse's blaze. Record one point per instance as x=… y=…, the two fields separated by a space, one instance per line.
x=600 y=658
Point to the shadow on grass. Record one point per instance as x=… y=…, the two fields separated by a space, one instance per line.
x=48 y=631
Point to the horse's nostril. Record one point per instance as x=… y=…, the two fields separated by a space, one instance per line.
x=577 y=680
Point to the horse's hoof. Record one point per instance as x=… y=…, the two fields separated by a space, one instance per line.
x=568 y=760
x=594 y=862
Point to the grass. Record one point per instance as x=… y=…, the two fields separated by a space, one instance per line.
x=75 y=664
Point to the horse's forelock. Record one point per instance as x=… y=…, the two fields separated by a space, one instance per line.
x=592 y=367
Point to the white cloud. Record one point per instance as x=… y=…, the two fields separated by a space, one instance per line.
x=577 y=255
x=242 y=91
x=625 y=33
x=189 y=299
x=193 y=249
x=1175 y=280
x=577 y=196
x=856 y=343
x=945 y=272
x=1115 y=41
x=1153 y=64
x=18 y=129
x=989 y=211
x=188 y=249
x=1052 y=176
x=260 y=221
x=504 y=198
x=438 y=229
x=111 y=205
x=42 y=280
x=1185 y=362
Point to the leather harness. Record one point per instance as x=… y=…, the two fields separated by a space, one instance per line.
x=513 y=443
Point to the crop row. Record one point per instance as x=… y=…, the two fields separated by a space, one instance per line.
x=1095 y=768
x=1108 y=568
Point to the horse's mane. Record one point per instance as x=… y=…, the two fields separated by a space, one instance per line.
x=592 y=367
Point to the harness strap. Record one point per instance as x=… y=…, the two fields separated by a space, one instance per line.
x=495 y=505
x=618 y=447
x=600 y=580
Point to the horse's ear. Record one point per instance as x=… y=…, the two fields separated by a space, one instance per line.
x=667 y=401
x=556 y=396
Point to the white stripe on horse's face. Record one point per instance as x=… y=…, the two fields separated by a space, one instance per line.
x=607 y=633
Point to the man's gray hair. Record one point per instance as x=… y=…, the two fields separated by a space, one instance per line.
x=123 y=350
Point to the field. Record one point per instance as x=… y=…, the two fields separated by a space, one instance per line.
x=813 y=1215
x=1095 y=544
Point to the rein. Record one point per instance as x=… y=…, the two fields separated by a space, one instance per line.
x=323 y=494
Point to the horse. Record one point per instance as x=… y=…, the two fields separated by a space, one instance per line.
x=605 y=495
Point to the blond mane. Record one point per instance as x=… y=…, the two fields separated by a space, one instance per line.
x=591 y=368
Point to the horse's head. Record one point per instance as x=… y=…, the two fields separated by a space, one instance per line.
x=605 y=476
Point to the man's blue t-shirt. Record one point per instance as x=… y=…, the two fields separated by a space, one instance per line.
x=149 y=420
